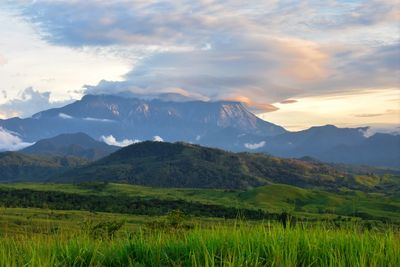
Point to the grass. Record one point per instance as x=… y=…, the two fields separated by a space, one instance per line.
x=241 y=244
x=313 y=203
x=44 y=237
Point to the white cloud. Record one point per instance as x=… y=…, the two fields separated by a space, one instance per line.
x=65 y=116
x=255 y=145
x=110 y=140
x=158 y=138
x=32 y=62
x=28 y=102
x=388 y=129
x=96 y=119
x=11 y=142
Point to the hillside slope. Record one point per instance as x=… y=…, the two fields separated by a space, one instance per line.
x=19 y=167
x=164 y=164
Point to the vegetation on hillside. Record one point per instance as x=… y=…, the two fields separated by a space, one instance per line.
x=259 y=203
x=15 y=166
x=185 y=165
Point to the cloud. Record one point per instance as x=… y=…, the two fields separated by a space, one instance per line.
x=364 y=14
x=65 y=116
x=94 y=22
x=353 y=68
x=288 y=101
x=98 y=120
x=29 y=102
x=264 y=52
x=255 y=145
x=366 y=115
x=247 y=65
x=305 y=60
x=158 y=138
x=370 y=131
x=10 y=141
x=388 y=129
x=3 y=60
x=254 y=106
x=110 y=140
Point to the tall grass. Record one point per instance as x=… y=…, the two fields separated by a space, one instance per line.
x=220 y=245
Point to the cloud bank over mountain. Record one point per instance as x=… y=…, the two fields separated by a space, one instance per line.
x=112 y=141
x=262 y=52
x=11 y=142
x=29 y=102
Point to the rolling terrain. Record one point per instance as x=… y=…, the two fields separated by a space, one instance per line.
x=163 y=164
x=259 y=203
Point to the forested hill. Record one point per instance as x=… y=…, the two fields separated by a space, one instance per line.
x=180 y=164
x=16 y=166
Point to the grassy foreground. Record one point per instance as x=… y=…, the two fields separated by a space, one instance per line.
x=241 y=244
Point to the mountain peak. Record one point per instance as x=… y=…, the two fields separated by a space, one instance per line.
x=135 y=118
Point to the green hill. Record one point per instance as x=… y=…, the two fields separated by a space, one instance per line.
x=179 y=164
x=75 y=145
x=20 y=167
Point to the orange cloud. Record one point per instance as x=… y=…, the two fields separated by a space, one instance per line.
x=253 y=105
x=303 y=60
x=9 y=114
x=288 y=101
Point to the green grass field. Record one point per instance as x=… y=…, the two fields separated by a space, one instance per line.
x=35 y=237
x=309 y=203
x=345 y=228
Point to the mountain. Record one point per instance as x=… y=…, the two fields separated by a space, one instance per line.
x=312 y=141
x=77 y=145
x=378 y=150
x=15 y=166
x=337 y=145
x=134 y=118
x=180 y=164
x=222 y=124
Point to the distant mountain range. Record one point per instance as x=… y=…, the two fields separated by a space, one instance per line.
x=223 y=124
x=337 y=145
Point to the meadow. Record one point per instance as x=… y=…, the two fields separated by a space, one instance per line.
x=102 y=224
x=307 y=203
x=37 y=237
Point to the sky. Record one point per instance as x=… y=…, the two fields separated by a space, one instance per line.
x=293 y=63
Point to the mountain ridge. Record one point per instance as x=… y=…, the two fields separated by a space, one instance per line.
x=76 y=144
x=180 y=164
x=223 y=124
x=99 y=115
